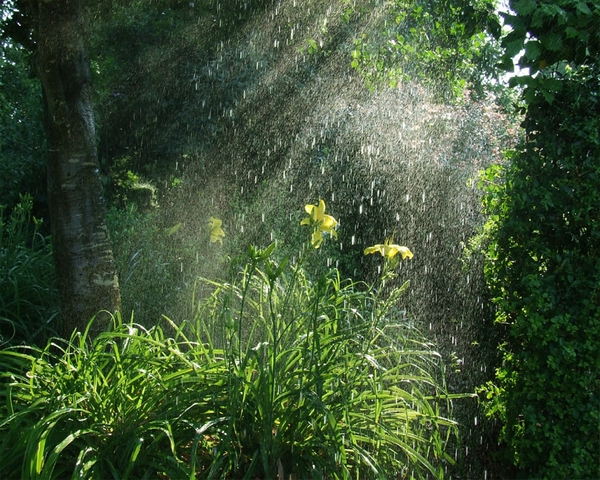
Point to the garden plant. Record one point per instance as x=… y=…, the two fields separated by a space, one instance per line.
x=277 y=375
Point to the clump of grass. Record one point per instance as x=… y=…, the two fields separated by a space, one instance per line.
x=28 y=294
x=277 y=376
x=326 y=379
x=130 y=404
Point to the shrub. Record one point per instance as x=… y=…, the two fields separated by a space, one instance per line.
x=124 y=405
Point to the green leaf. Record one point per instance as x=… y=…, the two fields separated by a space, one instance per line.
x=513 y=48
x=583 y=8
x=572 y=32
x=524 y=7
x=532 y=50
x=552 y=41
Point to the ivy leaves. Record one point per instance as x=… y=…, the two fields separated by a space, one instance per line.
x=550 y=34
x=542 y=259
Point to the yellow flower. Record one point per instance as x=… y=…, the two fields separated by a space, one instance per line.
x=320 y=222
x=216 y=232
x=389 y=250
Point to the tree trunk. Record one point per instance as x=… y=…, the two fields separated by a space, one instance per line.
x=87 y=277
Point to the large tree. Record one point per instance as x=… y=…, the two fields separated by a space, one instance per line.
x=87 y=277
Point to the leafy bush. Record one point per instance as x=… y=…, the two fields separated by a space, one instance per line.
x=28 y=295
x=544 y=268
x=276 y=375
x=441 y=43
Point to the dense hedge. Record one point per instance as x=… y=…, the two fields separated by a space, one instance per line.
x=543 y=262
x=544 y=269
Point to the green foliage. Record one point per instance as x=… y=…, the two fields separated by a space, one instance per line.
x=276 y=376
x=123 y=406
x=125 y=188
x=555 y=37
x=28 y=296
x=542 y=259
x=137 y=48
x=550 y=32
x=543 y=265
x=329 y=380
x=150 y=262
x=22 y=141
x=442 y=43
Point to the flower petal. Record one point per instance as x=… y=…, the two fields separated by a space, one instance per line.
x=216 y=235
x=320 y=213
x=373 y=249
x=328 y=222
x=317 y=239
x=215 y=222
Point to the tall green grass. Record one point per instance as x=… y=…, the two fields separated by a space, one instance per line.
x=129 y=404
x=327 y=379
x=28 y=294
x=277 y=376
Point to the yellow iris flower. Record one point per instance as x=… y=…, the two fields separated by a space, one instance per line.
x=216 y=232
x=389 y=250
x=320 y=222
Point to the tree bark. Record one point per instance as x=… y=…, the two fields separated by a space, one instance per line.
x=87 y=277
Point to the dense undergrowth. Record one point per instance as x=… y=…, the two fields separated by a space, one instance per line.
x=276 y=375
x=544 y=271
x=28 y=295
